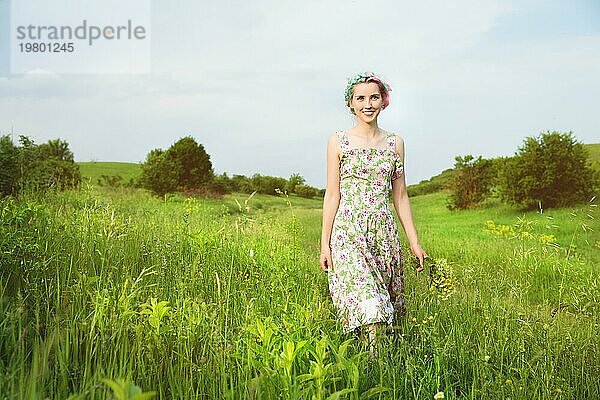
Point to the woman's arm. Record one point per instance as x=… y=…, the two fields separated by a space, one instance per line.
x=402 y=206
x=331 y=200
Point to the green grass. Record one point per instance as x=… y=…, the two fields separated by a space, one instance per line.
x=593 y=151
x=594 y=155
x=225 y=299
x=92 y=170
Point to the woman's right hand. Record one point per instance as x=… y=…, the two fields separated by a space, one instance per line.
x=326 y=260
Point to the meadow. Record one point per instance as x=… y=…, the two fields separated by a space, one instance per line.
x=92 y=171
x=112 y=293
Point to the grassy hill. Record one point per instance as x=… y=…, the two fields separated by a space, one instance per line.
x=92 y=170
x=594 y=154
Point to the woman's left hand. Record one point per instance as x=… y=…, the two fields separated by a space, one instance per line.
x=420 y=254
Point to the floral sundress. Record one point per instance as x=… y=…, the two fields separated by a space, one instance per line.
x=366 y=281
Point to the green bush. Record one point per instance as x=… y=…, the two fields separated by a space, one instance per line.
x=548 y=171
x=36 y=168
x=195 y=168
x=184 y=166
x=9 y=167
x=472 y=182
x=241 y=183
x=221 y=184
x=267 y=184
x=306 y=191
x=159 y=173
x=295 y=179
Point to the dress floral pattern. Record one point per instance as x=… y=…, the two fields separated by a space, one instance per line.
x=366 y=281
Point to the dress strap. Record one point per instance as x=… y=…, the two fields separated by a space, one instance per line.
x=392 y=142
x=343 y=140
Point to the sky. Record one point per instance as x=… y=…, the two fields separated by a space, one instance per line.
x=260 y=84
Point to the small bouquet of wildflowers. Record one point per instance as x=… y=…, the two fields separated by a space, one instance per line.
x=441 y=276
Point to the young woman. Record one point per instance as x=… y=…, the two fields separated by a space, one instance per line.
x=360 y=248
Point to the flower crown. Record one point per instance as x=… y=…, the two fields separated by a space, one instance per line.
x=360 y=78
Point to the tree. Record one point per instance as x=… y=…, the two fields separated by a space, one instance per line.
x=195 y=168
x=40 y=167
x=306 y=191
x=241 y=183
x=471 y=183
x=37 y=167
x=57 y=149
x=221 y=184
x=267 y=184
x=159 y=173
x=295 y=179
x=184 y=166
x=548 y=171
x=59 y=163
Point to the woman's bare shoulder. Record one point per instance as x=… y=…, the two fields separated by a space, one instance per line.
x=334 y=136
x=334 y=143
x=399 y=141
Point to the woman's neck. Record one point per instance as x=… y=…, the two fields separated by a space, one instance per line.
x=366 y=130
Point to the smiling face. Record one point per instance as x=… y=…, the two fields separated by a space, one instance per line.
x=366 y=101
